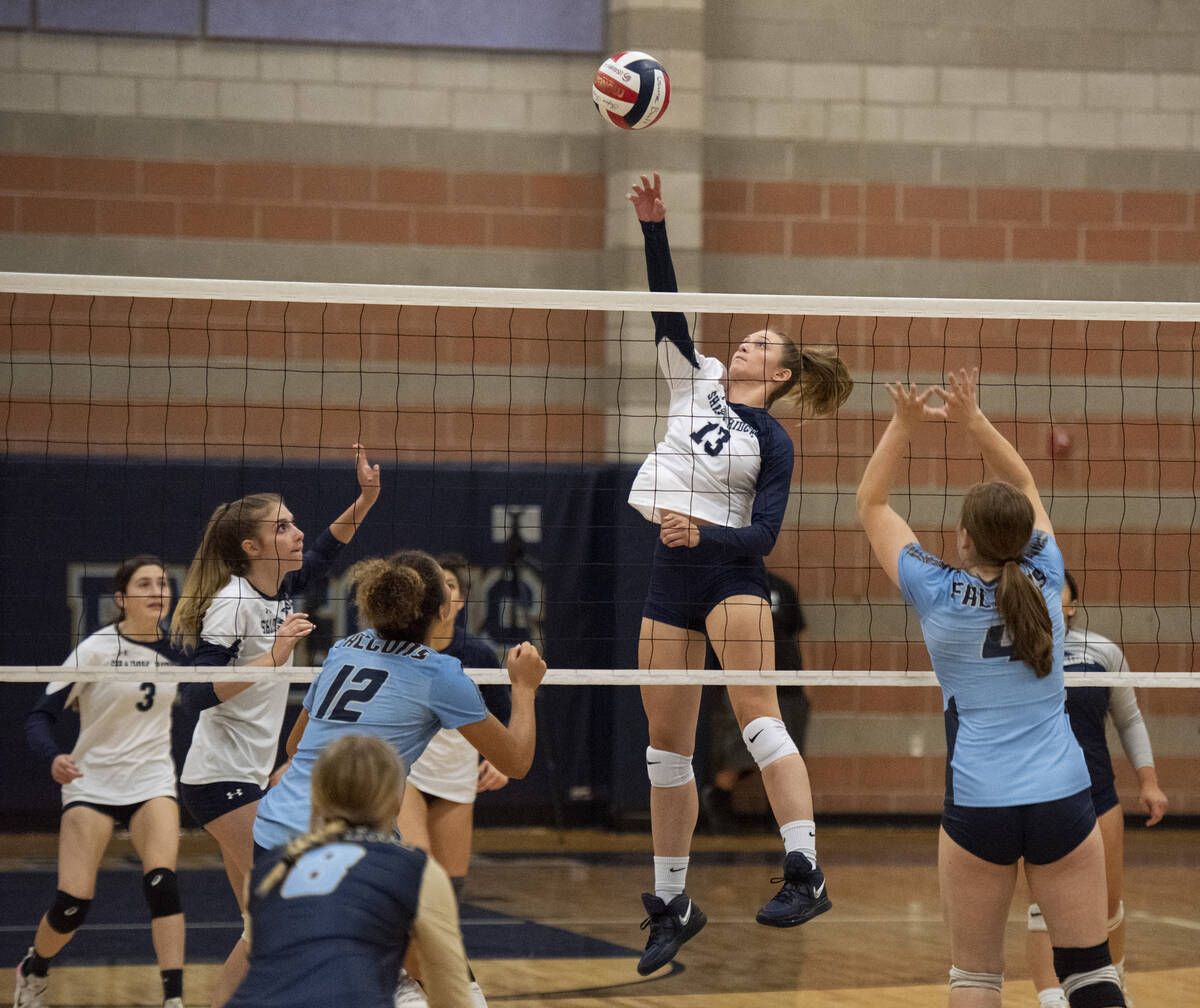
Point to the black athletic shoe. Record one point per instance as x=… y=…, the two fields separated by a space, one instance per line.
x=670 y=924
x=802 y=897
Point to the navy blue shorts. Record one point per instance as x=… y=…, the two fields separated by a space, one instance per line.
x=686 y=584
x=1040 y=833
x=206 y=802
x=1104 y=796
x=119 y=814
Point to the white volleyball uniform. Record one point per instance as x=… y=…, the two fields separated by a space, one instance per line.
x=448 y=768
x=708 y=462
x=124 y=744
x=239 y=738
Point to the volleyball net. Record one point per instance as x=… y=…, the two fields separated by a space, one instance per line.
x=509 y=423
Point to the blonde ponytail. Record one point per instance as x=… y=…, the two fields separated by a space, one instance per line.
x=218 y=558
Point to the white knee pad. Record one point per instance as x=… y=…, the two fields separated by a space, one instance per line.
x=768 y=740
x=667 y=769
x=986 y=981
x=1115 y=920
x=1035 y=919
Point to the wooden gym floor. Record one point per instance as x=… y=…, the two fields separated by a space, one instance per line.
x=551 y=919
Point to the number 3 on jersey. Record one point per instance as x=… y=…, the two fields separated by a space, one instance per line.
x=715 y=446
x=362 y=686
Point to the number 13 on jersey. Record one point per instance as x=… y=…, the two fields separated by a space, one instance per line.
x=715 y=443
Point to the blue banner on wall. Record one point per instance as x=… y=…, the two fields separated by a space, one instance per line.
x=539 y=25
x=557 y=555
x=569 y=25
x=162 y=17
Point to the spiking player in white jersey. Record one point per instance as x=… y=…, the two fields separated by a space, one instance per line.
x=237 y=608
x=1089 y=708
x=718 y=486
x=118 y=772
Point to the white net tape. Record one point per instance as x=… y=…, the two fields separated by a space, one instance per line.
x=579 y=677
x=591 y=300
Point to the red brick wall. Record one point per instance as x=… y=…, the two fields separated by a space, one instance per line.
x=889 y=220
x=381 y=204
x=300 y=202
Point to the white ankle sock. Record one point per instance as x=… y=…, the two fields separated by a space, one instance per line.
x=1052 y=997
x=800 y=835
x=670 y=874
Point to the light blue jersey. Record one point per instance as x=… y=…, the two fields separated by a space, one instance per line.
x=402 y=692
x=1008 y=738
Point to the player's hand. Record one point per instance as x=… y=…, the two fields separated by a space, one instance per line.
x=525 y=666
x=489 y=778
x=64 y=769
x=368 y=476
x=678 y=530
x=960 y=396
x=647 y=199
x=290 y=633
x=1154 y=803
x=910 y=405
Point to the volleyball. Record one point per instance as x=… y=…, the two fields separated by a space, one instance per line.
x=631 y=90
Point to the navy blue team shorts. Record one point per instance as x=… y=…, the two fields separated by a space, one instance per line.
x=206 y=802
x=1040 y=833
x=1104 y=796
x=687 y=583
x=119 y=814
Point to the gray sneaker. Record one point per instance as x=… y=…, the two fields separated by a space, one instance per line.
x=409 y=993
x=31 y=989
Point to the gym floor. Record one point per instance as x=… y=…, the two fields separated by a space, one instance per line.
x=551 y=918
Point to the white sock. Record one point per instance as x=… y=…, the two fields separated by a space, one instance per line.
x=670 y=874
x=1052 y=997
x=800 y=835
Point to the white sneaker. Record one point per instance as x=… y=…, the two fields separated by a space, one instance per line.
x=477 y=998
x=30 y=988
x=409 y=993
x=173 y=1003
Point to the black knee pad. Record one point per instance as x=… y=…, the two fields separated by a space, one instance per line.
x=1088 y=976
x=161 y=889
x=67 y=913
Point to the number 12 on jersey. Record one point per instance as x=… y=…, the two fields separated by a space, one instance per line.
x=350 y=689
